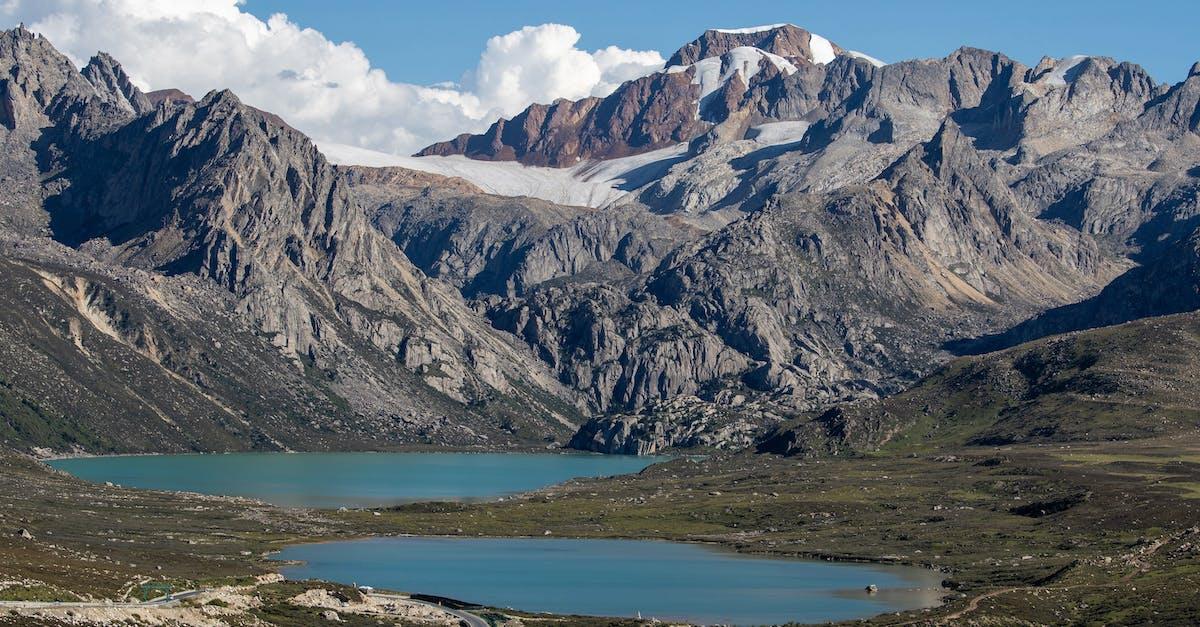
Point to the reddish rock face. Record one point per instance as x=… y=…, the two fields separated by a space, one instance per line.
x=174 y=96
x=790 y=42
x=644 y=114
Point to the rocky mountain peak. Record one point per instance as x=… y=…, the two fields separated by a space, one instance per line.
x=1195 y=71
x=20 y=33
x=1073 y=69
x=170 y=96
x=37 y=82
x=107 y=75
x=223 y=102
x=785 y=40
x=705 y=83
x=20 y=47
x=1176 y=110
x=220 y=99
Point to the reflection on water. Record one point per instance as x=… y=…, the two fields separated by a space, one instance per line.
x=665 y=580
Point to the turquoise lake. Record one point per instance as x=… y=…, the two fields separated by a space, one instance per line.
x=351 y=479
x=664 y=580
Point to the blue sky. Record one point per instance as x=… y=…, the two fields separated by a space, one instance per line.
x=427 y=42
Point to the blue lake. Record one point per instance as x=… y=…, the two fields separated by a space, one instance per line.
x=351 y=479
x=664 y=580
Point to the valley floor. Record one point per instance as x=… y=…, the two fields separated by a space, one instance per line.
x=1092 y=533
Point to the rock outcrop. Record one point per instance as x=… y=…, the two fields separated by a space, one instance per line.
x=684 y=422
x=1122 y=382
x=642 y=115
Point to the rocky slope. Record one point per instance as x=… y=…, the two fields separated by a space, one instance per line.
x=1116 y=383
x=642 y=115
x=1167 y=283
x=105 y=360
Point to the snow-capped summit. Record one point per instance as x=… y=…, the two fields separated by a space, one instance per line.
x=725 y=75
x=751 y=29
x=789 y=41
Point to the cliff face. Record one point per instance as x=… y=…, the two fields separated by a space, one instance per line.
x=1115 y=383
x=642 y=115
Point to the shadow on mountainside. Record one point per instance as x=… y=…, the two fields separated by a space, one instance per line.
x=1168 y=284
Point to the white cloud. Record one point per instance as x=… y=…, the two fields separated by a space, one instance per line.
x=618 y=65
x=328 y=90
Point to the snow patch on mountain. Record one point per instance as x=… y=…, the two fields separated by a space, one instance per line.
x=1058 y=76
x=713 y=72
x=752 y=29
x=866 y=57
x=587 y=184
x=822 y=49
x=776 y=133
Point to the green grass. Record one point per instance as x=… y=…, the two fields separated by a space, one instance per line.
x=1113 y=458
x=36 y=593
x=22 y=420
x=1189 y=489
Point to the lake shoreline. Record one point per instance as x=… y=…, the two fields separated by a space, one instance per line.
x=54 y=455
x=721 y=544
x=812 y=584
x=332 y=480
x=357 y=517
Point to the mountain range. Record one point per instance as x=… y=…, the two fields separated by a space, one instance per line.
x=770 y=226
